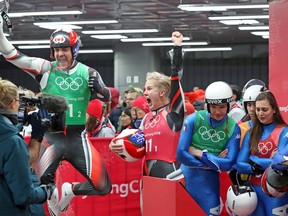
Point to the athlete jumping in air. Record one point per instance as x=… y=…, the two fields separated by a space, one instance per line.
x=76 y=82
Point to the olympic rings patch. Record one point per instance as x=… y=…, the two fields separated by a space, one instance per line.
x=69 y=83
x=211 y=134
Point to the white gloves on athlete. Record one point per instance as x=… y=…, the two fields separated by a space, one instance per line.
x=6 y=48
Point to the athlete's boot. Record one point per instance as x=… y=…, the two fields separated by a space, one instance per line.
x=67 y=195
x=53 y=205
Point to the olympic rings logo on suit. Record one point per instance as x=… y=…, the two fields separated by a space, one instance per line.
x=152 y=122
x=211 y=134
x=265 y=148
x=67 y=83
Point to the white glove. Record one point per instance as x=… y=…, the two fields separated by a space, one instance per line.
x=1 y=25
x=6 y=48
x=4 y=6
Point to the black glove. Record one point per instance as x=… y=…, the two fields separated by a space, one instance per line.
x=93 y=83
x=235 y=177
x=49 y=189
x=256 y=168
x=47 y=179
x=39 y=124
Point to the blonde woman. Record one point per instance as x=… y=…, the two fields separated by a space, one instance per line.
x=16 y=187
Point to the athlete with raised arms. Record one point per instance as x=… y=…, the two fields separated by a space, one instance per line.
x=75 y=81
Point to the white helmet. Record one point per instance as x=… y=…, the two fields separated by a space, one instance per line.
x=241 y=200
x=251 y=93
x=218 y=92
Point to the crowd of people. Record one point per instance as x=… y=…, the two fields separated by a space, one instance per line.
x=200 y=133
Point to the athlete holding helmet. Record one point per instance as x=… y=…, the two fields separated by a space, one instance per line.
x=267 y=136
x=208 y=144
x=75 y=81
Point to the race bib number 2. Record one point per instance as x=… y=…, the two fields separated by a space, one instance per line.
x=71 y=112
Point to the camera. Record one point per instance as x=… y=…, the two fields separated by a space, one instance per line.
x=28 y=105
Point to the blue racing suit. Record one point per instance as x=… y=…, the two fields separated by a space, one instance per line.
x=202 y=175
x=268 y=142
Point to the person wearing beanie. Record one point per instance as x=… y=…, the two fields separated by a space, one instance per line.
x=189 y=108
x=115 y=94
x=96 y=124
x=139 y=109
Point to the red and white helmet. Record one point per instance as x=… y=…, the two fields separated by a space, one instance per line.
x=241 y=200
x=274 y=184
x=65 y=38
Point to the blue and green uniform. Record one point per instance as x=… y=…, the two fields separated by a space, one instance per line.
x=202 y=175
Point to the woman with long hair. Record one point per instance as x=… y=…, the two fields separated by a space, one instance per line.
x=261 y=142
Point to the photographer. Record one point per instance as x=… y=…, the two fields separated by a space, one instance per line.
x=16 y=187
x=27 y=128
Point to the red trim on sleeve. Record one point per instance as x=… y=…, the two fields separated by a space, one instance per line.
x=174 y=99
x=12 y=57
x=174 y=78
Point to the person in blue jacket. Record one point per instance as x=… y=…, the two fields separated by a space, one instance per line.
x=267 y=136
x=208 y=144
x=17 y=191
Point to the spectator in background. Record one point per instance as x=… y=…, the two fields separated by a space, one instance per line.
x=236 y=109
x=125 y=95
x=116 y=109
x=201 y=94
x=139 y=109
x=96 y=124
x=191 y=96
x=189 y=108
x=199 y=103
x=27 y=128
x=115 y=96
x=126 y=120
x=131 y=96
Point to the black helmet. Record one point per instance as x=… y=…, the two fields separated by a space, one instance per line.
x=65 y=38
x=251 y=83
